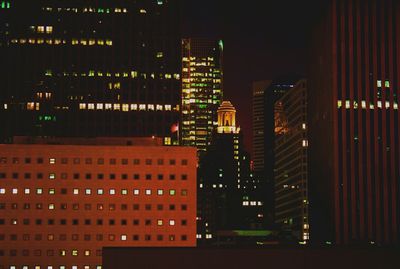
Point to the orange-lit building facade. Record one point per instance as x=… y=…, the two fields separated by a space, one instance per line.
x=60 y=204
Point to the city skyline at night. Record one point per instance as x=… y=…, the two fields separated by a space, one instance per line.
x=267 y=131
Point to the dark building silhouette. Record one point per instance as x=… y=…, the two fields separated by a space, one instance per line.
x=225 y=181
x=93 y=68
x=354 y=124
x=291 y=173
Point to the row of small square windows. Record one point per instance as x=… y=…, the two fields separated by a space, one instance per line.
x=51 y=267
x=100 y=176
x=87 y=191
x=111 y=222
x=100 y=207
x=88 y=237
x=101 y=161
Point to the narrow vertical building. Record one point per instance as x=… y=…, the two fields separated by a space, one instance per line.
x=92 y=68
x=354 y=124
x=291 y=195
x=202 y=78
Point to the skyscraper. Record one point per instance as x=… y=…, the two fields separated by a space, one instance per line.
x=224 y=179
x=354 y=124
x=202 y=90
x=259 y=89
x=291 y=190
x=90 y=69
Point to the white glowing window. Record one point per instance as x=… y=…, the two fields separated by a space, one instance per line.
x=171 y=222
x=91 y=106
x=124 y=191
x=82 y=106
x=52 y=160
x=88 y=191
x=74 y=252
x=136 y=192
x=148 y=192
x=245 y=203
x=208 y=236
x=123 y=237
x=14 y=191
x=142 y=107
x=51 y=207
x=168 y=107
x=27 y=191
x=99 y=106
x=112 y=191
x=39 y=191
x=52 y=191
x=305 y=143
x=160 y=192
x=52 y=176
x=134 y=107
x=108 y=106
x=75 y=191
x=172 y=192
x=2 y=191
x=100 y=191
x=159 y=107
x=49 y=29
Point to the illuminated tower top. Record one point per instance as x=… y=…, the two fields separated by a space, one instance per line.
x=227 y=118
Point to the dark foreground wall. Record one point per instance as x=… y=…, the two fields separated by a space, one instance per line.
x=198 y=258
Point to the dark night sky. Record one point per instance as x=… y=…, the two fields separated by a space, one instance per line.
x=263 y=39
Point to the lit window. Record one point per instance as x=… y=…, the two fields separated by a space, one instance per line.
x=172 y=222
x=172 y=192
x=100 y=191
x=123 y=237
x=52 y=176
x=14 y=191
x=75 y=191
x=27 y=191
x=74 y=252
x=88 y=191
x=159 y=222
x=52 y=160
x=160 y=192
x=39 y=191
x=51 y=206
x=136 y=192
x=148 y=192
x=112 y=191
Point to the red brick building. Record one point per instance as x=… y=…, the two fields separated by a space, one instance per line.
x=60 y=204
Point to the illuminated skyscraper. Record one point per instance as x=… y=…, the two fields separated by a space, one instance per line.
x=354 y=143
x=92 y=68
x=202 y=79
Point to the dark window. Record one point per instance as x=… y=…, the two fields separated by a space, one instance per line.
x=75 y=237
x=75 y=222
x=100 y=161
x=113 y=161
x=112 y=176
x=100 y=176
x=136 y=161
x=124 y=161
x=13 y=237
x=135 y=222
x=87 y=237
x=76 y=161
x=63 y=237
x=88 y=207
x=160 y=207
x=160 y=237
x=172 y=162
x=135 y=237
x=184 y=237
x=148 y=207
x=160 y=177
x=63 y=206
x=26 y=222
x=64 y=191
x=147 y=237
x=27 y=160
x=124 y=176
x=2 y=175
x=171 y=207
x=88 y=161
x=64 y=160
x=124 y=222
x=147 y=222
x=136 y=176
x=38 y=237
x=184 y=207
x=184 y=162
x=14 y=206
x=99 y=222
x=39 y=175
x=160 y=161
x=50 y=252
x=111 y=207
x=111 y=222
x=136 y=207
x=39 y=160
x=2 y=205
x=75 y=206
x=50 y=222
x=76 y=175
x=63 y=221
x=88 y=222
x=13 y=252
x=88 y=176
x=148 y=176
x=124 y=207
x=27 y=206
x=99 y=237
x=184 y=177
x=148 y=161
x=2 y=221
x=64 y=175
x=172 y=177
x=25 y=252
x=38 y=222
x=15 y=175
x=15 y=160
x=184 y=222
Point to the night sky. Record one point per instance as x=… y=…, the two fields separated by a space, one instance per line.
x=263 y=39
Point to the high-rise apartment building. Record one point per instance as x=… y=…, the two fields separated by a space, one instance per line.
x=291 y=194
x=353 y=111
x=202 y=90
x=60 y=204
x=90 y=68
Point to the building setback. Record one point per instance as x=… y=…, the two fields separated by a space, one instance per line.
x=291 y=195
x=90 y=68
x=202 y=90
x=354 y=124
x=60 y=204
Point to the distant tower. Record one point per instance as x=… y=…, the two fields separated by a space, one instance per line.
x=227 y=118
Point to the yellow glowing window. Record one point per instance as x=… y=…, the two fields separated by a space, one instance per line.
x=159 y=222
x=75 y=41
x=49 y=29
x=117 y=107
x=125 y=107
x=150 y=107
x=100 y=42
x=142 y=107
x=143 y=11
x=30 y=106
x=134 y=107
x=168 y=107
x=82 y=106
x=109 y=42
x=159 y=107
x=91 y=106
x=108 y=106
x=40 y=29
x=92 y=42
x=74 y=252
x=87 y=252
